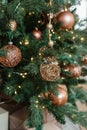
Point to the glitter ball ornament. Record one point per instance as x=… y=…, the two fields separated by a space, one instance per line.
x=13 y=56
x=62 y=97
x=75 y=71
x=49 y=70
x=66 y=19
x=84 y=60
x=42 y=50
x=37 y=34
x=12 y=24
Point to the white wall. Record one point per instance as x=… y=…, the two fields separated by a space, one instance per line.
x=82 y=13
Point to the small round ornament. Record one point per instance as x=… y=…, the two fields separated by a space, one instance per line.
x=12 y=24
x=49 y=26
x=13 y=56
x=37 y=34
x=49 y=70
x=84 y=60
x=75 y=71
x=51 y=43
x=62 y=97
x=67 y=20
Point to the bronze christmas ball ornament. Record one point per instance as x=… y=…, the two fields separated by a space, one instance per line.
x=62 y=97
x=67 y=20
x=75 y=71
x=84 y=60
x=49 y=70
x=13 y=56
x=12 y=24
x=37 y=34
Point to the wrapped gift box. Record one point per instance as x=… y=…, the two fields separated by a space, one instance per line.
x=3 y=119
x=18 y=114
x=17 y=119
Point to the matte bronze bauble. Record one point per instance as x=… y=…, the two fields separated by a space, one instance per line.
x=37 y=34
x=62 y=97
x=84 y=60
x=67 y=20
x=13 y=56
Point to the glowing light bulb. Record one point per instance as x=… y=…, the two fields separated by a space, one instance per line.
x=32 y=58
x=59 y=37
x=82 y=38
x=9 y=75
x=19 y=86
x=73 y=37
x=15 y=92
x=37 y=101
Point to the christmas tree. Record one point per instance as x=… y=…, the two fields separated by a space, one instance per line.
x=43 y=57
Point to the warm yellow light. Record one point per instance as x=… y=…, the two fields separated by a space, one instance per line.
x=36 y=106
x=70 y=55
x=23 y=76
x=32 y=58
x=30 y=13
x=15 y=92
x=37 y=101
x=64 y=63
x=43 y=107
x=82 y=38
x=73 y=37
x=59 y=37
x=19 y=86
x=40 y=54
x=72 y=32
x=7 y=87
x=26 y=42
x=62 y=78
x=39 y=21
x=25 y=73
x=20 y=42
x=9 y=75
x=65 y=9
x=39 y=96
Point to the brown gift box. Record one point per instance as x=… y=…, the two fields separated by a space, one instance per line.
x=17 y=112
x=17 y=115
x=17 y=119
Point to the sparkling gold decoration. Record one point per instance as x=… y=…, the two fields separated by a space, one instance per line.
x=13 y=56
x=49 y=70
x=42 y=49
x=12 y=24
x=50 y=27
x=67 y=19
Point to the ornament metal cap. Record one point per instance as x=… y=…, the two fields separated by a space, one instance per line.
x=10 y=43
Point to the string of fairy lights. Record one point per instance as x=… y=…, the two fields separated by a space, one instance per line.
x=26 y=42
